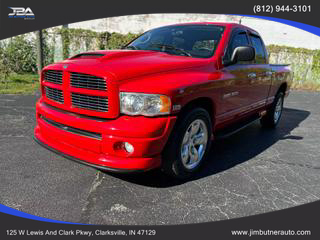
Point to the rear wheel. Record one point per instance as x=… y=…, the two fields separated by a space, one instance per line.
x=273 y=116
x=189 y=144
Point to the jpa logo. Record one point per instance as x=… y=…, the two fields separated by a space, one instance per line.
x=21 y=12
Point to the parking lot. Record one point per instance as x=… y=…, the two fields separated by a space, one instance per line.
x=251 y=172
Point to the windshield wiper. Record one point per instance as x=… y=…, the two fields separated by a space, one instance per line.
x=171 y=47
x=130 y=47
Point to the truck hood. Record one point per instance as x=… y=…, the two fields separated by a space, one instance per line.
x=125 y=64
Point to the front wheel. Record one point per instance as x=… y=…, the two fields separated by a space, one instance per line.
x=272 y=118
x=189 y=144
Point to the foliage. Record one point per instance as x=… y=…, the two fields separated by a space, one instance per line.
x=20 y=54
x=4 y=70
x=305 y=64
x=103 y=40
x=280 y=48
x=25 y=83
x=75 y=41
x=48 y=48
x=117 y=40
x=65 y=41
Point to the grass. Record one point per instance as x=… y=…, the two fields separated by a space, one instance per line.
x=307 y=85
x=26 y=83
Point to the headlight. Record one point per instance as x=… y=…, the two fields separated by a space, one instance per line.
x=144 y=104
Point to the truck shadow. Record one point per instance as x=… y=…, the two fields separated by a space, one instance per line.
x=227 y=153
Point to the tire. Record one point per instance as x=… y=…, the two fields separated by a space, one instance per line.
x=273 y=116
x=183 y=154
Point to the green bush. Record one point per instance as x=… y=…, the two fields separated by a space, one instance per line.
x=20 y=54
x=305 y=64
x=75 y=41
x=48 y=48
x=4 y=70
x=117 y=40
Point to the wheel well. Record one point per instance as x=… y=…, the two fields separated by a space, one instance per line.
x=283 y=88
x=203 y=102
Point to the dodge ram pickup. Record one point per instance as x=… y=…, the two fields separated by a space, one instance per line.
x=161 y=100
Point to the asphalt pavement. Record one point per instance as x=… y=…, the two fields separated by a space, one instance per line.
x=252 y=172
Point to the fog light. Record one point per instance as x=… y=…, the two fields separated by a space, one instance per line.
x=129 y=148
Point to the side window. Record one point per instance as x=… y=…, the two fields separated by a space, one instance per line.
x=238 y=40
x=260 y=51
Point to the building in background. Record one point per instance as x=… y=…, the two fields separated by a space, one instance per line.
x=272 y=32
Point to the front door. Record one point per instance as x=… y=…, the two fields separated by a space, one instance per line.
x=238 y=78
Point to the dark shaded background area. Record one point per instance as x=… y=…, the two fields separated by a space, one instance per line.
x=59 y=12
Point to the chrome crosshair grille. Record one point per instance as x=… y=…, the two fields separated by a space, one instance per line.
x=95 y=103
x=54 y=94
x=70 y=90
x=53 y=76
x=81 y=80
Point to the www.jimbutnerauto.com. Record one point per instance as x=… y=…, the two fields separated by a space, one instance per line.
x=260 y=232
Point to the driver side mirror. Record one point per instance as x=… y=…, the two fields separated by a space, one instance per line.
x=243 y=53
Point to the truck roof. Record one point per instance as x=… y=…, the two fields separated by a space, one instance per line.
x=226 y=24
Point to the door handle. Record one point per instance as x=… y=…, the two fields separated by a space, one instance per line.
x=252 y=75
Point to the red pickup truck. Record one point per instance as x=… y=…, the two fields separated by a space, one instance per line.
x=162 y=99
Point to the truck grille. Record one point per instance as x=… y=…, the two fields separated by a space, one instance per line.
x=80 y=80
x=54 y=94
x=95 y=103
x=53 y=76
x=66 y=90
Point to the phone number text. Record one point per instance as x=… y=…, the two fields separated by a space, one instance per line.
x=281 y=8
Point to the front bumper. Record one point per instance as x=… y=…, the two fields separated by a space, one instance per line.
x=147 y=135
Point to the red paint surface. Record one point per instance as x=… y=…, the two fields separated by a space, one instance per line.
x=183 y=79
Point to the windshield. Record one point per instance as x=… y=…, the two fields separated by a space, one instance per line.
x=186 y=40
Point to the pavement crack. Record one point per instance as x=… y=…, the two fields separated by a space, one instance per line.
x=91 y=198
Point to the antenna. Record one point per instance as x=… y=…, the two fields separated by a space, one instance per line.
x=240 y=19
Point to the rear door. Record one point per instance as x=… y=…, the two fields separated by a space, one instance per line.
x=261 y=73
